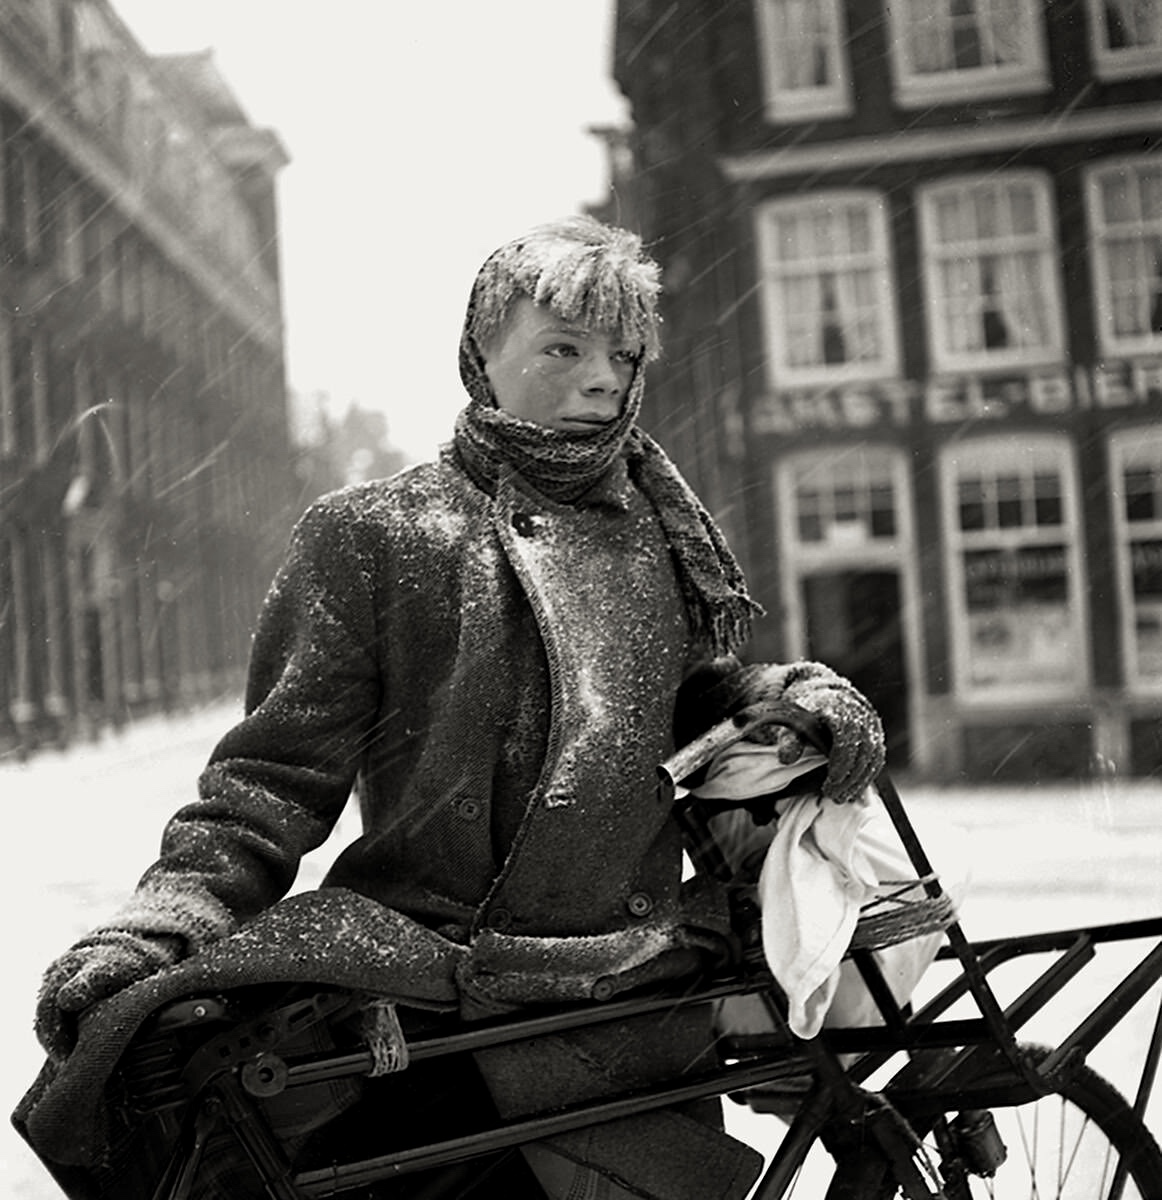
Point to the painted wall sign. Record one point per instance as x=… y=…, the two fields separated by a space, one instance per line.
x=1135 y=383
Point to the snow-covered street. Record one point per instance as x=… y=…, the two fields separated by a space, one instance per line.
x=88 y=822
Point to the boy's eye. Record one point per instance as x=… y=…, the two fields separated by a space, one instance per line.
x=629 y=357
x=561 y=350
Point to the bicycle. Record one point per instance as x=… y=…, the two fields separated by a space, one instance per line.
x=972 y=1112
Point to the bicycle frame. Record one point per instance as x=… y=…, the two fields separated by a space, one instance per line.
x=982 y=1066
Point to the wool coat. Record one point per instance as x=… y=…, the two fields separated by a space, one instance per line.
x=495 y=674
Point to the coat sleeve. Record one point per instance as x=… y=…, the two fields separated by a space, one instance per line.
x=277 y=782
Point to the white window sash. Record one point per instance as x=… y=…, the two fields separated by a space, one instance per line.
x=800 y=41
x=993 y=298
x=830 y=312
x=1127 y=255
x=1035 y=648
x=1010 y=59
x=1141 y=615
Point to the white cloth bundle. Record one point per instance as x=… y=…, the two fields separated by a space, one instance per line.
x=824 y=863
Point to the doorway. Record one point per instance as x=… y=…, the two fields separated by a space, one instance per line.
x=854 y=624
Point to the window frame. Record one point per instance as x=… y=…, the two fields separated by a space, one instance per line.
x=1127 y=63
x=946 y=359
x=1110 y=344
x=781 y=374
x=1122 y=534
x=800 y=559
x=784 y=104
x=915 y=89
x=961 y=460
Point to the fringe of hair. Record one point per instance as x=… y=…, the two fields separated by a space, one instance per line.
x=584 y=271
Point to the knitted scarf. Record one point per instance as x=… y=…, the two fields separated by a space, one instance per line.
x=564 y=465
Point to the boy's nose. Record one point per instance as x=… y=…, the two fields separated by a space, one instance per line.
x=601 y=378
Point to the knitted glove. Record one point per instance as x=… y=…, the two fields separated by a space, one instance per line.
x=99 y=965
x=724 y=688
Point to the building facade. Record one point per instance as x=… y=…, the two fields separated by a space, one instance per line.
x=145 y=476
x=913 y=265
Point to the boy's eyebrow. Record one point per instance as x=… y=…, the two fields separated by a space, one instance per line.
x=578 y=331
x=569 y=330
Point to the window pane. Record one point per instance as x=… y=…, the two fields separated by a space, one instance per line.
x=810 y=527
x=1141 y=498
x=1047 y=499
x=1018 y=603
x=826 y=275
x=1009 y=502
x=971 y=504
x=994 y=291
x=1131 y=24
x=802 y=43
x=1128 y=227
x=965 y=35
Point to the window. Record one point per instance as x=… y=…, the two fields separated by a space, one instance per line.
x=1136 y=476
x=1125 y=214
x=1017 y=621
x=945 y=50
x=826 y=287
x=803 y=61
x=990 y=269
x=844 y=498
x=1126 y=36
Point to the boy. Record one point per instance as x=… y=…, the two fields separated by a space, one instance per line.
x=491 y=646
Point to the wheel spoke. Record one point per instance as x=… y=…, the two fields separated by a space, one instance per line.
x=1074 y=1151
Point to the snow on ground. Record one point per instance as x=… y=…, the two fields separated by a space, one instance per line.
x=88 y=822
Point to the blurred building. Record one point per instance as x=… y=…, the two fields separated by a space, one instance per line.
x=144 y=460
x=913 y=264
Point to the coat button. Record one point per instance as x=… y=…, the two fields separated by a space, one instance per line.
x=524 y=524
x=468 y=809
x=499 y=918
x=640 y=904
x=602 y=989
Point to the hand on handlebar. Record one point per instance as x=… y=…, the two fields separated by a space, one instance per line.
x=726 y=689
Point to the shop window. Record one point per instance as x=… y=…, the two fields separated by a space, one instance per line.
x=844 y=497
x=949 y=50
x=803 y=59
x=1126 y=37
x=1011 y=531
x=990 y=256
x=1125 y=207
x=1136 y=475
x=827 y=296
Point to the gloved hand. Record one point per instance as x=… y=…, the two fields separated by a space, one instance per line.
x=725 y=688
x=99 y=965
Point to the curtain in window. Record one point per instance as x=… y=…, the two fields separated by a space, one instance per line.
x=831 y=317
x=1005 y=31
x=1132 y=23
x=1131 y=213
x=802 y=43
x=960 y=291
x=1020 y=294
x=961 y=35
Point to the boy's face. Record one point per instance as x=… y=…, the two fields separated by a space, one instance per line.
x=556 y=373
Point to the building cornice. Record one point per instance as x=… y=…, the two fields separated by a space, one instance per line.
x=21 y=86
x=946 y=142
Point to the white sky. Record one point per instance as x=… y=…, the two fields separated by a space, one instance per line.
x=422 y=135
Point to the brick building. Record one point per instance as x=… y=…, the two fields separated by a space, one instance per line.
x=913 y=257
x=144 y=458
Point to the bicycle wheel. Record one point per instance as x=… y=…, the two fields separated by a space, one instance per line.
x=1080 y=1143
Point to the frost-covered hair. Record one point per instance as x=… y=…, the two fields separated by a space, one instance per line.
x=582 y=270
